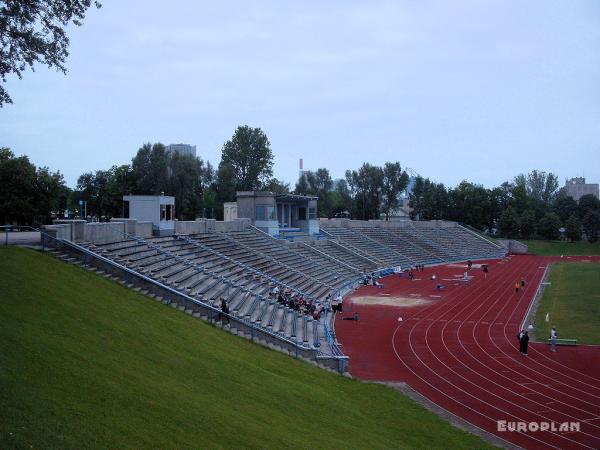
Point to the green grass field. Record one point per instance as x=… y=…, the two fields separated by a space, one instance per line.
x=573 y=302
x=557 y=248
x=87 y=363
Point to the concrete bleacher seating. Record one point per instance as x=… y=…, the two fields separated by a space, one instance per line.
x=212 y=265
x=243 y=266
x=409 y=243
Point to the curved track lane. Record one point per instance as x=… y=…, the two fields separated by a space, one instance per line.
x=459 y=349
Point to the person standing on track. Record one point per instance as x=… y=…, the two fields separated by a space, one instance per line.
x=525 y=342
x=553 y=338
x=485 y=270
x=517 y=286
x=520 y=339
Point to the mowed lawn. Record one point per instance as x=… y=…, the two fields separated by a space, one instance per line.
x=557 y=248
x=87 y=363
x=573 y=303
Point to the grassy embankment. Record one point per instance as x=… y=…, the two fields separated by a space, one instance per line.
x=85 y=362
x=557 y=248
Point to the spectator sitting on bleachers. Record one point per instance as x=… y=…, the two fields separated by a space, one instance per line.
x=316 y=314
x=336 y=305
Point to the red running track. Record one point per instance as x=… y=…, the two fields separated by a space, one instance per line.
x=460 y=350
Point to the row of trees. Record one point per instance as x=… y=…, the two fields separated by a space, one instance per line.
x=199 y=190
x=33 y=195
x=29 y=194
x=367 y=193
x=530 y=205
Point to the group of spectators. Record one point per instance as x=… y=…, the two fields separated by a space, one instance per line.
x=295 y=301
x=298 y=302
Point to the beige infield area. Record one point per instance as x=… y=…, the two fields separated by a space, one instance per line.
x=389 y=301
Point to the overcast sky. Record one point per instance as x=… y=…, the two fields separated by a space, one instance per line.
x=477 y=90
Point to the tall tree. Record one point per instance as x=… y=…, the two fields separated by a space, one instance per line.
x=539 y=185
x=367 y=184
x=150 y=169
x=121 y=182
x=500 y=198
x=591 y=225
x=564 y=205
x=549 y=226
x=587 y=203
x=17 y=192
x=301 y=185
x=317 y=183
x=395 y=181
x=573 y=228
x=277 y=186
x=508 y=225
x=247 y=158
x=33 y=32
x=429 y=200
x=527 y=224
x=341 y=203
x=94 y=190
x=50 y=195
x=470 y=203
x=185 y=183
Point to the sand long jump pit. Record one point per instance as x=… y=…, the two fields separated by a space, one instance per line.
x=375 y=300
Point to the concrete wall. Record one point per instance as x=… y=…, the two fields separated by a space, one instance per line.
x=232 y=225
x=77 y=227
x=513 y=246
x=62 y=231
x=336 y=222
x=104 y=232
x=130 y=224
x=190 y=227
x=134 y=227
x=230 y=211
x=268 y=226
x=143 y=229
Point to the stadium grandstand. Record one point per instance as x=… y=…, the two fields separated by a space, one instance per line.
x=280 y=278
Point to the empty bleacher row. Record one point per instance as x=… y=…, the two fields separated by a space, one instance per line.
x=412 y=243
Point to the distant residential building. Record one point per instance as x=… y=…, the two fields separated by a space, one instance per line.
x=577 y=188
x=182 y=149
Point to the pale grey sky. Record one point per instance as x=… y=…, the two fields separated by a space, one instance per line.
x=477 y=90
